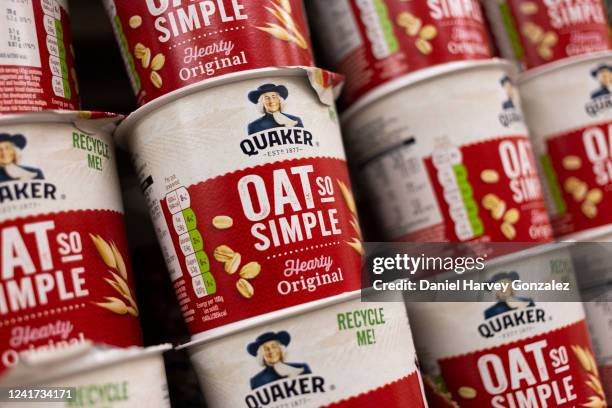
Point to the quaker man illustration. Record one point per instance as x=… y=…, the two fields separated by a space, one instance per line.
x=10 y=157
x=270 y=350
x=506 y=299
x=270 y=100
x=603 y=73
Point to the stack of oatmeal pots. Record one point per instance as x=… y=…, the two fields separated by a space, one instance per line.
x=565 y=46
x=238 y=151
x=435 y=134
x=68 y=313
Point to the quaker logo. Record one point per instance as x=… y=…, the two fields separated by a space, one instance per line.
x=279 y=379
x=510 y=113
x=276 y=127
x=510 y=311
x=601 y=98
x=18 y=181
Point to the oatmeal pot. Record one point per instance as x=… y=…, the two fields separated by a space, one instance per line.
x=65 y=274
x=169 y=44
x=536 y=32
x=117 y=378
x=253 y=210
x=304 y=359
x=515 y=344
x=448 y=166
x=373 y=42
x=36 y=57
x=598 y=307
x=573 y=143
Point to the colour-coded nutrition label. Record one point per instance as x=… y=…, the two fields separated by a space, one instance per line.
x=36 y=60
x=52 y=21
x=185 y=225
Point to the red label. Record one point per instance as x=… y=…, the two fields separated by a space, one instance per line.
x=551 y=30
x=401 y=37
x=437 y=398
x=582 y=164
x=36 y=59
x=65 y=279
x=171 y=44
x=293 y=238
x=405 y=392
x=550 y=370
x=490 y=192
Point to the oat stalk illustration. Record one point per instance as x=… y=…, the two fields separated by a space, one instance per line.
x=285 y=28
x=112 y=258
x=349 y=200
x=588 y=364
